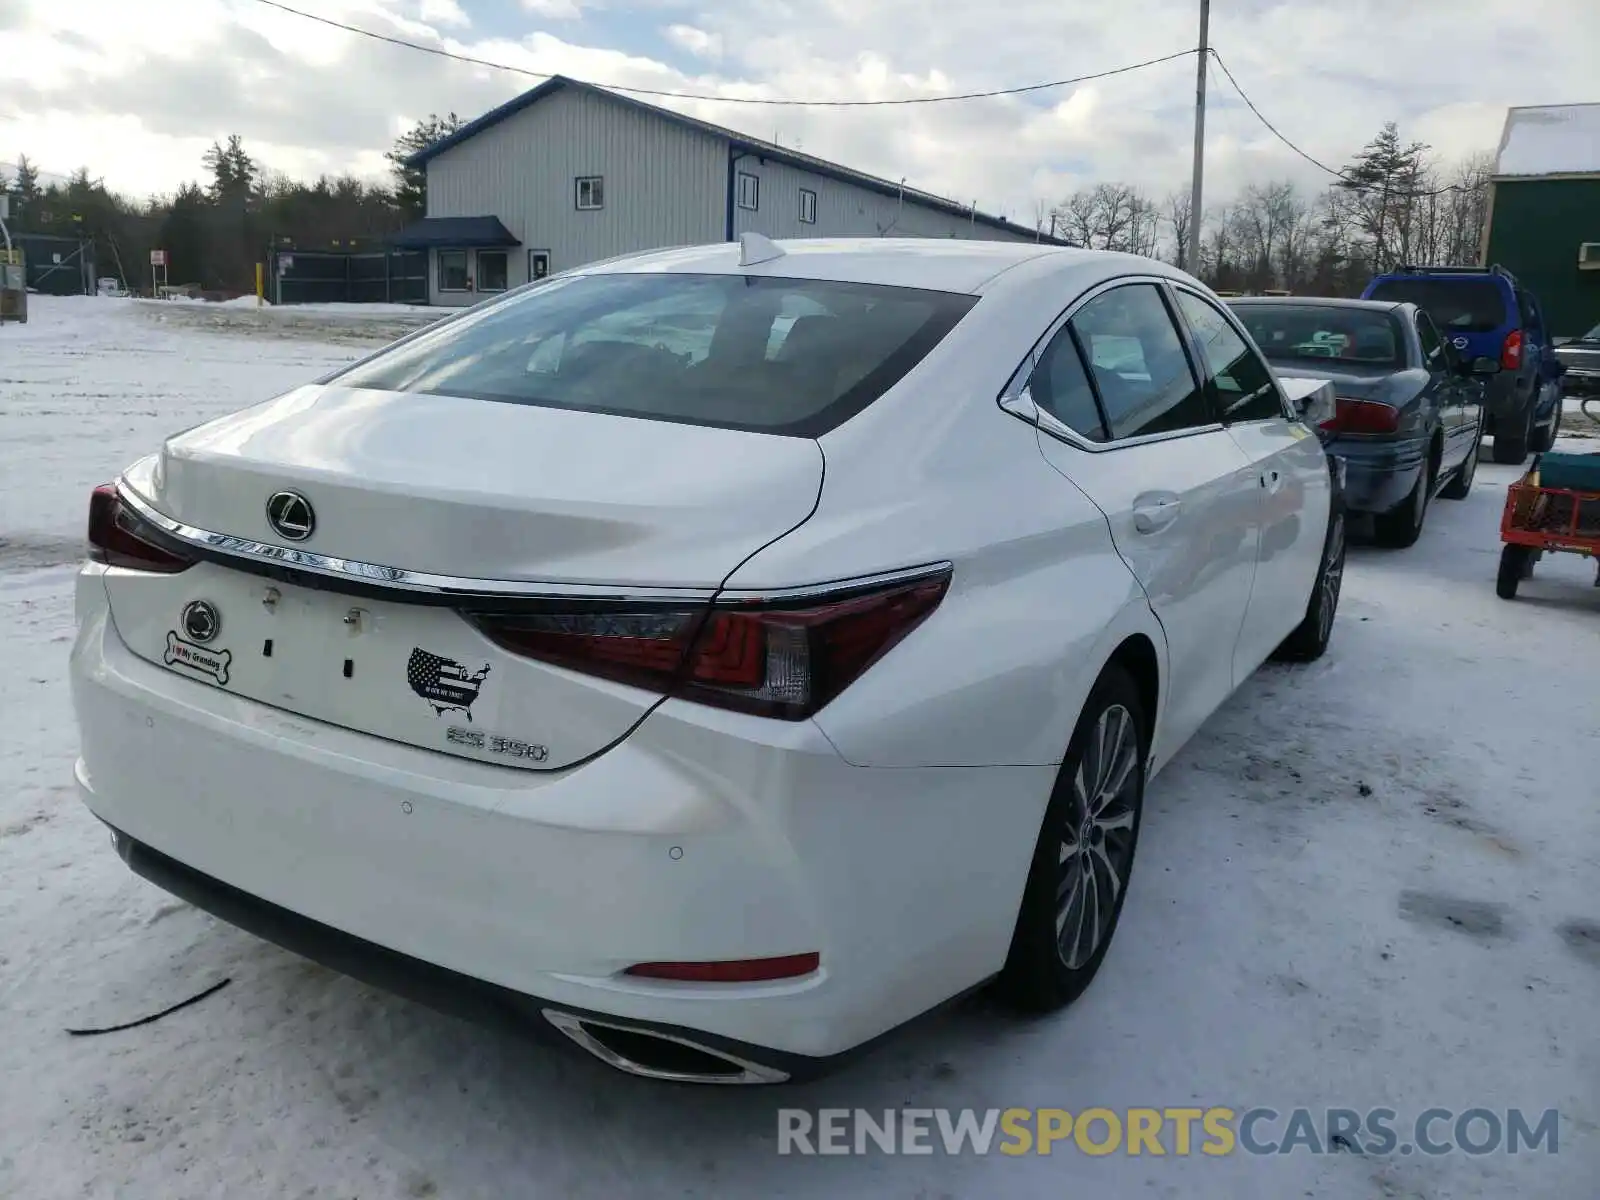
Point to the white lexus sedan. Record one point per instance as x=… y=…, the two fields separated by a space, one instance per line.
x=719 y=655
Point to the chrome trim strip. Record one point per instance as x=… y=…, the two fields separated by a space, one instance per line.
x=467 y=589
x=835 y=587
x=1009 y=397
x=573 y=1027
x=396 y=578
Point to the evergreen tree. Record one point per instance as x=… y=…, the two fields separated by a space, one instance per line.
x=1383 y=181
x=411 y=183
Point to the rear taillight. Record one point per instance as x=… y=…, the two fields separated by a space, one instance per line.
x=772 y=660
x=1362 y=416
x=118 y=537
x=1511 y=352
x=743 y=970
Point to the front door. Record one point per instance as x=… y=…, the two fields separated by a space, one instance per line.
x=1288 y=470
x=1141 y=442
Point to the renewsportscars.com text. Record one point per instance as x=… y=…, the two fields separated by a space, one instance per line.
x=1179 y=1131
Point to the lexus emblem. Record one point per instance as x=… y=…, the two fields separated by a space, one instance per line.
x=290 y=515
x=200 y=621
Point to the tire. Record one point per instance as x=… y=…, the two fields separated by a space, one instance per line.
x=1401 y=526
x=1545 y=438
x=1309 y=641
x=1460 y=485
x=1075 y=848
x=1512 y=449
x=1516 y=564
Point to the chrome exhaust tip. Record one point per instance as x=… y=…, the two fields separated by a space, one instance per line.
x=664 y=1056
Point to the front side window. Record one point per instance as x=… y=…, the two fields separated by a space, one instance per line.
x=1243 y=386
x=491 y=270
x=1138 y=364
x=808 y=207
x=590 y=191
x=749 y=191
x=452 y=270
x=771 y=355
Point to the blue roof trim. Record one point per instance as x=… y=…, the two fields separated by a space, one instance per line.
x=738 y=142
x=431 y=232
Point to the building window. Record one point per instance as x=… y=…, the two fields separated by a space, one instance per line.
x=808 y=207
x=453 y=271
x=591 y=192
x=538 y=264
x=749 y=192
x=491 y=270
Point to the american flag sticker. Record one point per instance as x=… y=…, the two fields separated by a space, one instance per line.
x=444 y=683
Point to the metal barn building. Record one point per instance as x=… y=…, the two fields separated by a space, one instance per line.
x=1544 y=211
x=569 y=173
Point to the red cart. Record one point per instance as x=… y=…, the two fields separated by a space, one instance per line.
x=1545 y=512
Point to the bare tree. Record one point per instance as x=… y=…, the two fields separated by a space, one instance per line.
x=1111 y=216
x=1174 y=216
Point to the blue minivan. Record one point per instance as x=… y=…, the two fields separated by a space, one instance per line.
x=1486 y=313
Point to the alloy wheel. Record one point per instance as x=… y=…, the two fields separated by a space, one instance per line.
x=1096 y=847
x=1332 y=580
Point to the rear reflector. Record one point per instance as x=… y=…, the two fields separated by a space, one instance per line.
x=772 y=660
x=744 y=970
x=118 y=537
x=1362 y=416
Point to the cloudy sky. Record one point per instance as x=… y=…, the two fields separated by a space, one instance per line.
x=137 y=89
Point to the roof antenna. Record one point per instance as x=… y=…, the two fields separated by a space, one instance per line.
x=753 y=249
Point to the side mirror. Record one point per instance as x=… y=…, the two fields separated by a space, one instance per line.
x=1483 y=365
x=1312 y=399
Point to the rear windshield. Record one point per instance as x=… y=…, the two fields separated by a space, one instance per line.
x=1456 y=305
x=1323 y=332
x=786 y=356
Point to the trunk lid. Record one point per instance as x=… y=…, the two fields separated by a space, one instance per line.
x=441 y=486
x=1352 y=382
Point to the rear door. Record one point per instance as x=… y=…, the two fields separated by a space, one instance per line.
x=1288 y=470
x=1126 y=420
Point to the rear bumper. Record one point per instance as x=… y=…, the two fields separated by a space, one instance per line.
x=1578 y=382
x=1509 y=396
x=703 y=836
x=439 y=988
x=1378 y=475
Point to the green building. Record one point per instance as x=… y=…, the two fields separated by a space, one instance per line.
x=1544 y=211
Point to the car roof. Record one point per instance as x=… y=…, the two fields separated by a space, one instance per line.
x=1321 y=302
x=1454 y=275
x=937 y=264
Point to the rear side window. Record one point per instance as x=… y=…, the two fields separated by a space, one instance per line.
x=1138 y=363
x=786 y=356
x=1456 y=305
x=1060 y=386
x=1245 y=390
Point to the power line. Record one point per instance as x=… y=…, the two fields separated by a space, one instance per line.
x=1342 y=176
x=777 y=103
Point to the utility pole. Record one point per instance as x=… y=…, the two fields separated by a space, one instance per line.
x=1190 y=256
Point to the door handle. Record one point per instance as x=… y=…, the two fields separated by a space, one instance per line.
x=1151 y=514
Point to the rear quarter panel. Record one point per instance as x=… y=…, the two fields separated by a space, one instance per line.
x=1039 y=598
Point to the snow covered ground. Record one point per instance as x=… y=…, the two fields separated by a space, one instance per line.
x=1370 y=882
